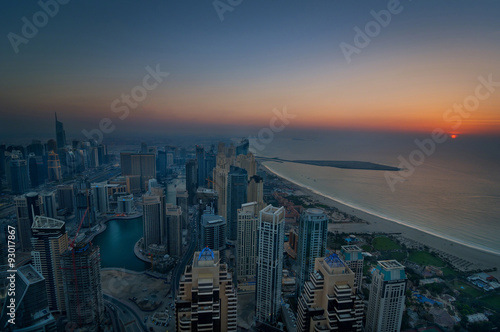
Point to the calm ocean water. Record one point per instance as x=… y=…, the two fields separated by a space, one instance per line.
x=454 y=194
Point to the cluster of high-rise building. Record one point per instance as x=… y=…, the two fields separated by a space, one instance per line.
x=63 y=277
x=238 y=231
x=240 y=243
x=28 y=167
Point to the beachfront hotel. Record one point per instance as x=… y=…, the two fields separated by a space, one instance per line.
x=387 y=297
x=329 y=301
x=269 y=264
x=207 y=299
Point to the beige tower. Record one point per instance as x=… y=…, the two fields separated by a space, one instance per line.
x=247 y=162
x=246 y=248
x=329 y=301
x=207 y=299
x=255 y=191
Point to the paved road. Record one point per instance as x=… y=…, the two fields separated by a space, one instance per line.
x=129 y=314
x=113 y=315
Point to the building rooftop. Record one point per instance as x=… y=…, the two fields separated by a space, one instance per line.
x=391 y=265
x=314 y=211
x=29 y=274
x=211 y=219
x=334 y=261
x=351 y=247
x=206 y=254
x=42 y=222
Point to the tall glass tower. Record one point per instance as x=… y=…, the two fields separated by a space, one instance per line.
x=313 y=230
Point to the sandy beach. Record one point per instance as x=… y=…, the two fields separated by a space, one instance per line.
x=375 y=224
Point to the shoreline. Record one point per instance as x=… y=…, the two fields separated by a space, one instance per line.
x=482 y=258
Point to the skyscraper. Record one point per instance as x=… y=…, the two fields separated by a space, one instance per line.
x=210 y=162
x=269 y=263
x=207 y=299
x=31 y=306
x=174 y=235
x=247 y=162
x=27 y=206
x=242 y=148
x=255 y=191
x=60 y=133
x=81 y=270
x=237 y=181
x=313 y=229
x=220 y=185
x=100 y=197
x=54 y=165
x=191 y=180
x=66 y=196
x=19 y=175
x=353 y=257
x=181 y=199
x=246 y=247
x=142 y=164
x=200 y=161
x=35 y=170
x=125 y=204
x=49 y=203
x=387 y=297
x=84 y=201
x=161 y=163
x=36 y=147
x=50 y=240
x=329 y=301
x=151 y=220
x=213 y=234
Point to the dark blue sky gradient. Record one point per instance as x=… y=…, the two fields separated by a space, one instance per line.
x=263 y=51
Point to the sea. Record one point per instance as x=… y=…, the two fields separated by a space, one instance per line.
x=452 y=192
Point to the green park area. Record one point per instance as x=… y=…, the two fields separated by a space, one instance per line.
x=466 y=289
x=424 y=258
x=449 y=272
x=383 y=243
x=492 y=301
